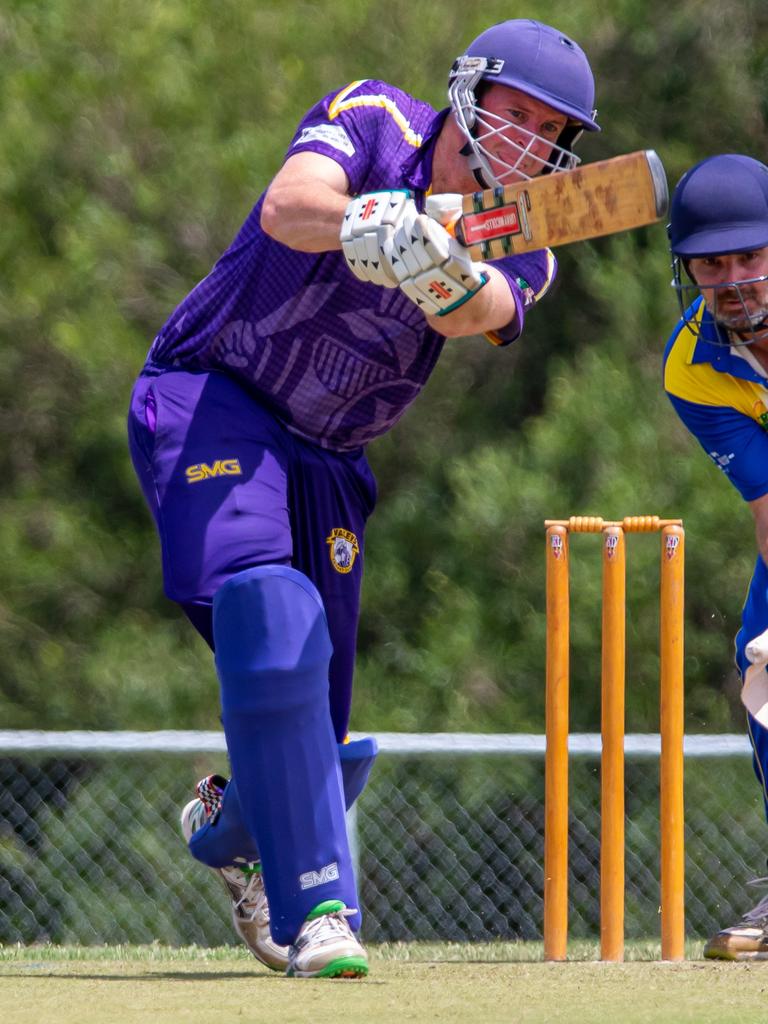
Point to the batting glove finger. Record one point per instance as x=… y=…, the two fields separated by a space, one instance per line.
x=408 y=256
x=441 y=273
x=444 y=207
x=367 y=230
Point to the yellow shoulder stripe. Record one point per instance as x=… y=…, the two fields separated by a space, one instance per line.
x=494 y=338
x=702 y=384
x=333 y=110
x=550 y=275
x=340 y=103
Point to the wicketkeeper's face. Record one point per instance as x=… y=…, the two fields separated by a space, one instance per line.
x=516 y=130
x=734 y=286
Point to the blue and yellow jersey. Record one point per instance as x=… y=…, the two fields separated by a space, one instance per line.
x=722 y=399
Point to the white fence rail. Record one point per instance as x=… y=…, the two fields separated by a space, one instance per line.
x=172 y=741
x=449 y=836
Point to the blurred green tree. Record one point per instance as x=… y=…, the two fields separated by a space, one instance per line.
x=134 y=139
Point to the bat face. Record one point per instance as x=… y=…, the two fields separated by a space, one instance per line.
x=571 y=206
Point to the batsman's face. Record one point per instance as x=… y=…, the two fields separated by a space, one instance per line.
x=734 y=286
x=524 y=131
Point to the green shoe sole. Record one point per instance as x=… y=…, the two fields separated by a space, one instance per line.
x=344 y=967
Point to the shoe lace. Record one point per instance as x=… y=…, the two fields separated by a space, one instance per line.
x=759 y=913
x=252 y=899
x=328 y=926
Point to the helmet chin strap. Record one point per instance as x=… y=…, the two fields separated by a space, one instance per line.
x=747 y=336
x=758 y=331
x=475 y=165
x=757 y=323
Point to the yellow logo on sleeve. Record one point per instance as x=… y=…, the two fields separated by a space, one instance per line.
x=221 y=467
x=760 y=413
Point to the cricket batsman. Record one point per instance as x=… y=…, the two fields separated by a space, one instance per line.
x=311 y=336
x=716 y=376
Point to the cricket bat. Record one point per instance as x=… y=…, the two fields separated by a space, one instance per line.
x=595 y=199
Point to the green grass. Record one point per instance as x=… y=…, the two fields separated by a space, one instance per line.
x=442 y=983
x=411 y=952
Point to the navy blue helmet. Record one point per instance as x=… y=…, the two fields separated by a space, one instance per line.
x=720 y=207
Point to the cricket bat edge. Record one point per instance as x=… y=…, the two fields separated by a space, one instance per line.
x=658 y=182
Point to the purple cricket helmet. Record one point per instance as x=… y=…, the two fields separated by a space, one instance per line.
x=539 y=61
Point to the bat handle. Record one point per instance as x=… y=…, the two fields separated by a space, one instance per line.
x=454 y=227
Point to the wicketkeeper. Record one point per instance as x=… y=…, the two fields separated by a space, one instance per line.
x=311 y=336
x=716 y=376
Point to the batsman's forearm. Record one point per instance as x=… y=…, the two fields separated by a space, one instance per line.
x=305 y=217
x=490 y=309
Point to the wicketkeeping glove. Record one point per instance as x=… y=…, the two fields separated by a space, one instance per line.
x=434 y=270
x=367 y=232
x=757 y=650
x=754 y=692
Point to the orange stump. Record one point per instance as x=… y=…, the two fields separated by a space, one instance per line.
x=556 y=760
x=612 y=840
x=612 y=764
x=671 y=784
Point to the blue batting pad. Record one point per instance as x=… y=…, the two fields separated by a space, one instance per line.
x=272 y=654
x=357 y=759
x=754 y=621
x=224 y=837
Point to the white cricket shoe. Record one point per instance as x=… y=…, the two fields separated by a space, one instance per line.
x=747 y=940
x=250 y=910
x=326 y=947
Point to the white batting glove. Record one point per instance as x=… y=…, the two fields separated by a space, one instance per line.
x=444 y=207
x=434 y=270
x=367 y=231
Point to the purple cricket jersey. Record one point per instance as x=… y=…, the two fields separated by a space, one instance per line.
x=337 y=360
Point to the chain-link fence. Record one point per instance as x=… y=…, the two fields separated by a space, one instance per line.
x=450 y=847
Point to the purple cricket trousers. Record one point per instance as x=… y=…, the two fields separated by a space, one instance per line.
x=231 y=488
